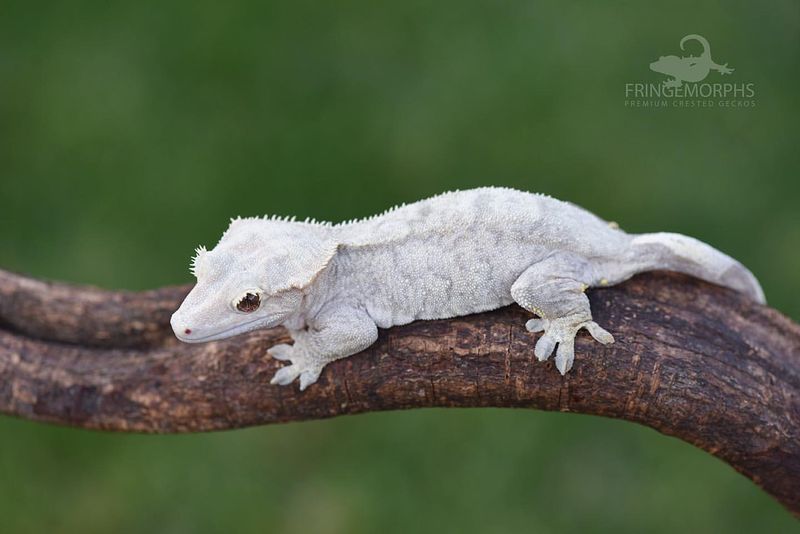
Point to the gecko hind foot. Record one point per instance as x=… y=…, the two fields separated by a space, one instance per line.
x=562 y=332
x=725 y=69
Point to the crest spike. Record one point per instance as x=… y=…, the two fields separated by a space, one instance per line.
x=195 y=264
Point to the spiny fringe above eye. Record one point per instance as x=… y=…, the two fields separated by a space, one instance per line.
x=199 y=252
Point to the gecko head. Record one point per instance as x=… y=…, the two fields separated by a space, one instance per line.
x=230 y=298
x=667 y=65
x=256 y=277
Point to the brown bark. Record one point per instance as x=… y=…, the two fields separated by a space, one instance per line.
x=691 y=360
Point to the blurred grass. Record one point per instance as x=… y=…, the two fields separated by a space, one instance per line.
x=131 y=132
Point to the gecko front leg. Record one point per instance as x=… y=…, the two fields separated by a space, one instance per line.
x=337 y=332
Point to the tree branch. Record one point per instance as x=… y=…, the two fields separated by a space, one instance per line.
x=691 y=360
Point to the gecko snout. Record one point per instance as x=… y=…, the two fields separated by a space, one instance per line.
x=181 y=329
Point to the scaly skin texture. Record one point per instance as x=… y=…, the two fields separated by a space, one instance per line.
x=333 y=286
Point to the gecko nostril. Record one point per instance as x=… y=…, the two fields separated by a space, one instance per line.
x=187 y=331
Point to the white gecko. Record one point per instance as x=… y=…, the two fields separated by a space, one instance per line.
x=333 y=285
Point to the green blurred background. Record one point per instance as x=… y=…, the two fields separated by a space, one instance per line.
x=131 y=132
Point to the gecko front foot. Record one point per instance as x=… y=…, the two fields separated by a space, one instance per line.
x=301 y=366
x=562 y=332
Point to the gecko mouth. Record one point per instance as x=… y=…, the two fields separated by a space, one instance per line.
x=228 y=332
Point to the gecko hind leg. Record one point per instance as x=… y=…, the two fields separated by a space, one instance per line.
x=554 y=289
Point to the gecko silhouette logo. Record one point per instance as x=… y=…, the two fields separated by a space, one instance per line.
x=685 y=85
x=691 y=68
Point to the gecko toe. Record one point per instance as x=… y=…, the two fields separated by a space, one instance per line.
x=599 y=333
x=535 y=325
x=565 y=355
x=544 y=347
x=281 y=352
x=285 y=375
x=309 y=377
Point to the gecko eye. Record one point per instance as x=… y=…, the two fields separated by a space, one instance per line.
x=249 y=303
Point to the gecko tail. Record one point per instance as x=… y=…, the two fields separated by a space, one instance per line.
x=700 y=39
x=683 y=254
